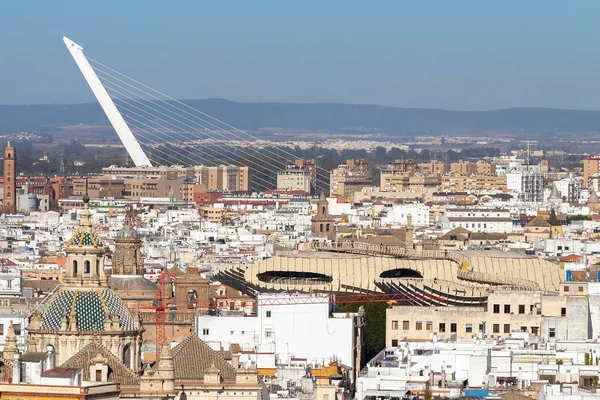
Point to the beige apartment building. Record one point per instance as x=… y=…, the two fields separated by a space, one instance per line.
x=538 y=313
x=217 y=178
x=222 y=178
x=462 y=183
x=591 y=166
x=311 y=166
x=394 y=181
x=349 y=178
x=464 y=167
x=294 y=178
x=434 y=168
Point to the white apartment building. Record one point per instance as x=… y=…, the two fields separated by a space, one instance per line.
x=527 y=183
x=570 y=188
x=489 y=220
x=398 y=214
x=290 y=326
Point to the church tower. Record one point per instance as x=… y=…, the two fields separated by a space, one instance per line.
x=10 y=203
x=128 y=259
x=322 y=224
x=85 y=254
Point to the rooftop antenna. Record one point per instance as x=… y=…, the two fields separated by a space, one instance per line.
x=528 y=155
x=131 y=144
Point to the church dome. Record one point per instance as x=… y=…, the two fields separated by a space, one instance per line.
x=127 y=232
x=97 y=310
x=85 y=235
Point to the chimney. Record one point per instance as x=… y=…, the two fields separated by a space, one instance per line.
x=49 y=356
x=443 y=383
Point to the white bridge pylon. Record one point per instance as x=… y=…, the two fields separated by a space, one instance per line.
x=114 y=116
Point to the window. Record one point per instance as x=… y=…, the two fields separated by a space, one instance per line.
x=521 y=308
x=453 y=327
x=394 y=325
x=419 y=325
x=559 y=248
x=98 y=375
x=395 y=342
x=1 y=329
x=506 y=328
x=482 y=328
x=566 y=290
x=231 y=333
x=405 y=325
x=442 y=327
x=507 y=309
x=242 y=333
x=496 y=328
x=429 y=325
x=496 y=308
x=205 y=331
x=268 y=333
x=268 y=314
x=534 y=330
x=552 y=332
x=563 y=312
x=469 y=328
x=580 y=289
x=523 y=329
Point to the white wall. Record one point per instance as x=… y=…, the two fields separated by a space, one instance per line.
x=397 y=215
x=300 y=330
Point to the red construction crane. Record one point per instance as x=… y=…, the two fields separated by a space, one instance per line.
x=162 y=304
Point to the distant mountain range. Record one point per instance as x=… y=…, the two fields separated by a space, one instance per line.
x=326 y=117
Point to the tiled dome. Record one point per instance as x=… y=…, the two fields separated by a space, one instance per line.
x=89 y=307
x=85 y=238
x=85 y=234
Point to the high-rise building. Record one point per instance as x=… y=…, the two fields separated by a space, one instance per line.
x=294 y=178
x=528 y=184
x=9 y=198
x=311 y=166
x=591 y=166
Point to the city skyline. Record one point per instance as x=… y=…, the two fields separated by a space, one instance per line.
x=458 y=57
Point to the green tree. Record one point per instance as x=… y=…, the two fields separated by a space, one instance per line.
x=375 y=326
x=553 y=220
x=427 y=394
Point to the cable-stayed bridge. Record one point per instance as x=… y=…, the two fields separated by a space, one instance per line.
x=157 y=129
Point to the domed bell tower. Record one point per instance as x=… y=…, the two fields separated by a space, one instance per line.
x=85 y=254
x=128 y=259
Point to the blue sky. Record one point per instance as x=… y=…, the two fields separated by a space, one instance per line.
x=460 y=55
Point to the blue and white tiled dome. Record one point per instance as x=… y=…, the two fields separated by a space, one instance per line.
x=90 y=308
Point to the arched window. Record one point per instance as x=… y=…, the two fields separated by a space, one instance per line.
x=192 y=298
x=86 y=268
x=74 y=268
x=97 y=267
x=321 y=228
x=327 y=227
x=127 y=355
x=323 y=210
